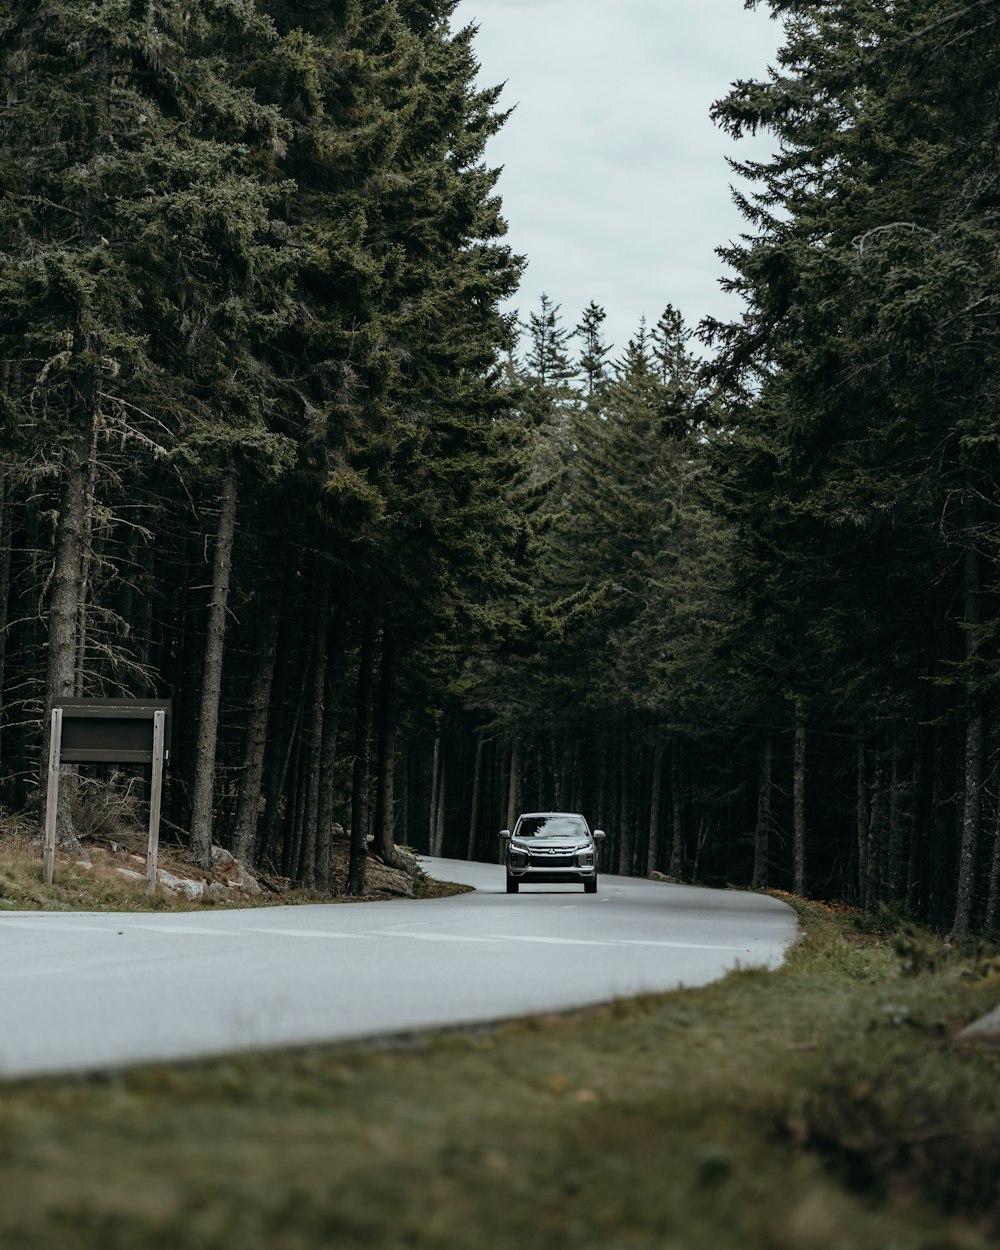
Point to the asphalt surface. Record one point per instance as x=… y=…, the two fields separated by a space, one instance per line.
x=89 y=990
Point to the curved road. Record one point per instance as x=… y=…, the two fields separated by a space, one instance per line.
x=87 y=990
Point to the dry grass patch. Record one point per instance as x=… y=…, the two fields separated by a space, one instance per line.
x=88 y=883
x=99 y=880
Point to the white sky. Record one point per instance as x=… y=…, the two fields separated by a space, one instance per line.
x=615 y=183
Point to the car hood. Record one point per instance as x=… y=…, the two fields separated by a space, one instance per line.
x=563 y=843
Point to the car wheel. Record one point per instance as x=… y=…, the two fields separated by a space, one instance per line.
x=590 y=887
x=512 y=885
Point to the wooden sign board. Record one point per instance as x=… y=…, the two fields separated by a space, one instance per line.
x=111 y=731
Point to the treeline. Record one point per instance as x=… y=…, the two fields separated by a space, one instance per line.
x=271 y=449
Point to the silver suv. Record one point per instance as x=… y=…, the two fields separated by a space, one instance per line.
x=551 y=846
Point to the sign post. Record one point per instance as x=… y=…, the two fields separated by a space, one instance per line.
x=52 y=793
x=155 y=796
x=109 y=731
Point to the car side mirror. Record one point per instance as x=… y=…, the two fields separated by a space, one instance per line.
x=504 y=833
x=599 y=834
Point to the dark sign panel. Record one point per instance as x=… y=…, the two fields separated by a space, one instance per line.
x=110 y=731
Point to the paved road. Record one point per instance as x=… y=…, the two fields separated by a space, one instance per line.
x=87 y=990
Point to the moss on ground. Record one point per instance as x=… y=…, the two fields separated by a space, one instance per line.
x=825 y=1106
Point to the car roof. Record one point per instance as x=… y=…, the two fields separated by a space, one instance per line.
x=577 y=815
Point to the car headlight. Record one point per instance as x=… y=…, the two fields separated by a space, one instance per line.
x=518 y=856
x=585 y=857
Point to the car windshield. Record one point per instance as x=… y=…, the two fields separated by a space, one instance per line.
x=551 y=827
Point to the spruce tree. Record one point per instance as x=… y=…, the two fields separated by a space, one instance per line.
x=593 y=360
x=547 y=371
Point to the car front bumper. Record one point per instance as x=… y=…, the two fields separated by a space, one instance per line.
x=551 y=876
x=549 y=873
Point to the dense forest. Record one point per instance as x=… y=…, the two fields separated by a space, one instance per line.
x=272 y=448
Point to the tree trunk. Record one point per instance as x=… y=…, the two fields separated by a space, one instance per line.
x=894 y=862
x=514 y=783
x=6 y=535
x=941 y=858
x=315 y=750
x=437 y=833
x=405 y=819
x=762 y=832
x=655 y=808
x=567 y=784
x=432 y=815
x=873 y=885
x=86 y=560
x=295 y=806
x=704 y=833
x=971 y=810
x=64 y=602
x=641 y=793
x=972 y=798
x=539 y=802
x=677 y=811
x=601 y=799
x=255 y=736
x=327 y=789
x=362 y=747
x=385 y=795
x=799 y=804
x=6 y=528
x=64 y=598
x=555 y=767
x=477 y=789
x=626 y=843
x=211 y=689
x=993 y=893
x=279 y=759
x=920 y=818
x=861 y=821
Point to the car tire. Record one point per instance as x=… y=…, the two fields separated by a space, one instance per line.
x=590 y=887
x=512 y=885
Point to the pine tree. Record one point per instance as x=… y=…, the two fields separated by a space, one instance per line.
x=593 y=361
x=547 y=359
x=676 y=369
x=547 y=372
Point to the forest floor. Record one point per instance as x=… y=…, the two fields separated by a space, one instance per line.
x=110 y=875
x=823 y=1106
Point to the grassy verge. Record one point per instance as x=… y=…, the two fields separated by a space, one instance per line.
x=822 y=1107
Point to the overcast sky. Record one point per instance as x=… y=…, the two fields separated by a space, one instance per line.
x=615 y=183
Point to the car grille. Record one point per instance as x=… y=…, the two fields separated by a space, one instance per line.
x=539 y=860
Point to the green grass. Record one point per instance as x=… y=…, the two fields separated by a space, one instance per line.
x=821 y=1107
